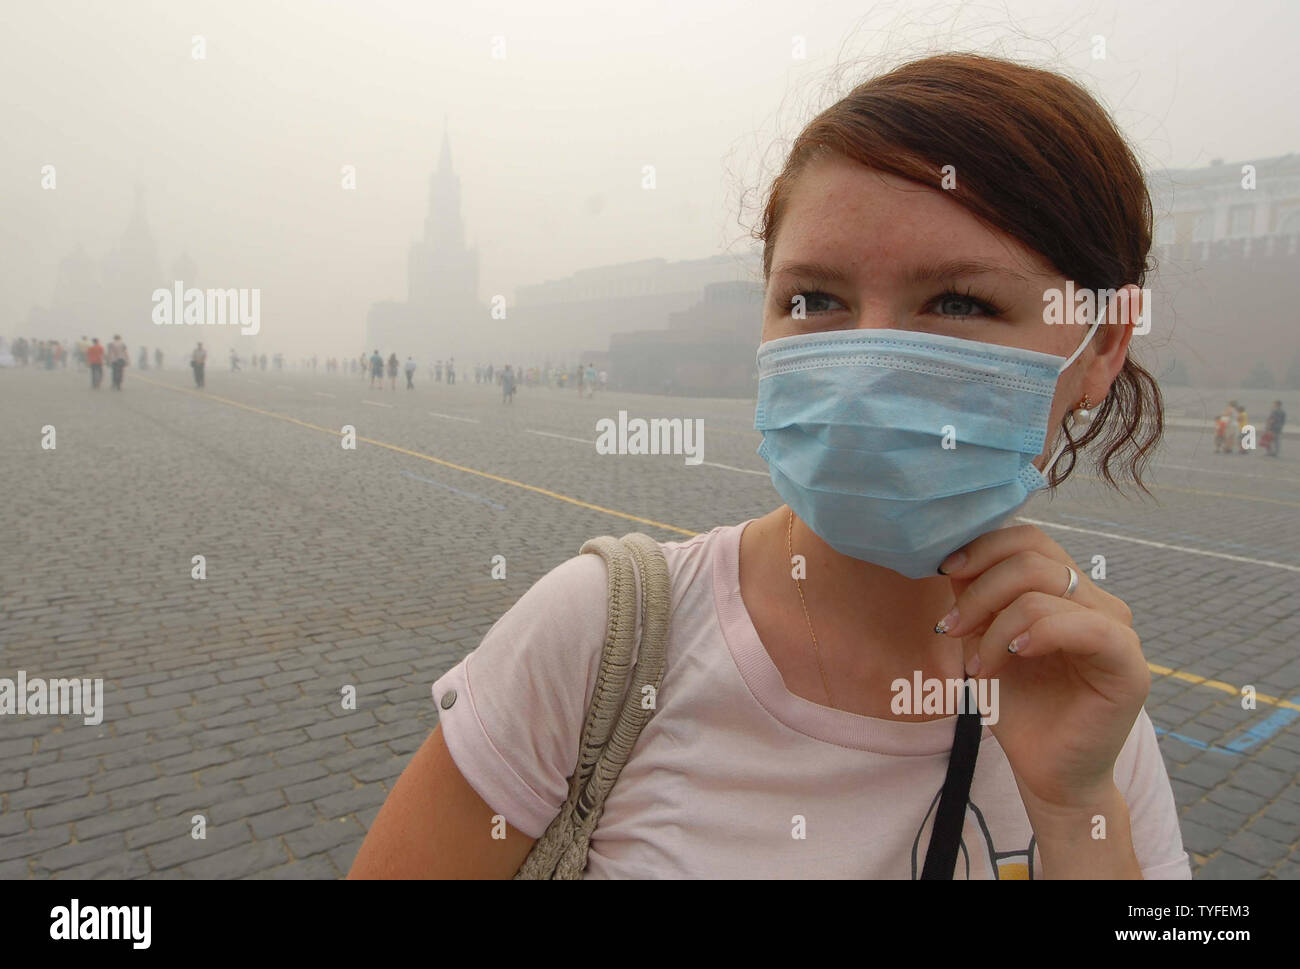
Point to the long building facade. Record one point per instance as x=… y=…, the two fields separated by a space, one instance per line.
x=1227 y=245
x=1226 y=254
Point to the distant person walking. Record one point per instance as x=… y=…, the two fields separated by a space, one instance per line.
x=437 y=370
x=198 y=359
x=143 y=363
x=95 y=358
x=410 y=373
x=1225 y=429
x=451 y=370
x=1273 y=429
x=591 y=380
x=117 y=360
x=508 y=385
x=392 y=370
x=377 y=369
x=157 y=359
x=234 y=362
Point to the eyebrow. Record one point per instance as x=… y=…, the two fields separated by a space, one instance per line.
x=935 y=272
x=814 y=270
x=924 y=273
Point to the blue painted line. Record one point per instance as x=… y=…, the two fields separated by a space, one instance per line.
x=1239 y=745
x=1162 y=732
x=1265 y=729
x=463 y=494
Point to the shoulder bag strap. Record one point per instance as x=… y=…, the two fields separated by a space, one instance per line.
x=639 y=703
x=945 y=837
x=561 y=852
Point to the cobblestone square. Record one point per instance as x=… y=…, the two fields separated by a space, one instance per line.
x=371 y=567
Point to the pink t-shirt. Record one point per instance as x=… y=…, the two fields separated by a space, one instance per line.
x=730 y=757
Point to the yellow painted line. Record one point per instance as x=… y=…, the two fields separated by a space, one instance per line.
x=1219 y=685
x=427 y=457
x=1159 y=670
x=1209 y=494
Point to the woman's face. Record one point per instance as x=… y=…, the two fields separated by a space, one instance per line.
x=871 y=250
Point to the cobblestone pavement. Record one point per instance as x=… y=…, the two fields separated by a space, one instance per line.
x=328 y=567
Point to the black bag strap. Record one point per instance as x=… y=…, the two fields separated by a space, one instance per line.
x=945 y=837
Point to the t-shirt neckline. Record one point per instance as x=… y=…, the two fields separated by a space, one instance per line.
x=811 y=719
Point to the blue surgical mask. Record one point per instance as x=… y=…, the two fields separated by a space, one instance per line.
x=897 y=447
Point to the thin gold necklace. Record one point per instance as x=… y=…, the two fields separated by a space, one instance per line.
x=789 y=546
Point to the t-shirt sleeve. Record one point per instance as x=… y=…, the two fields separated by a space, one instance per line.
x=521 y=696
x=1141 y=777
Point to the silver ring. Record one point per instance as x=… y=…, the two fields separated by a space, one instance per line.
x=1074 y=583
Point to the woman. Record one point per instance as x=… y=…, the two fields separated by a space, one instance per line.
x=910 y=244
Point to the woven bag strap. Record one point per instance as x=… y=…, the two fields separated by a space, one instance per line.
x=638 y=703
x=615 y=711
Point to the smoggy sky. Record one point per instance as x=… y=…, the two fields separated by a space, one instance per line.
x=240 y=153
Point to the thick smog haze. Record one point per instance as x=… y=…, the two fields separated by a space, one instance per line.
x=408 y=474
x=239 y=153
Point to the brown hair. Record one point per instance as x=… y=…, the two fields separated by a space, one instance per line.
x=1037 y=158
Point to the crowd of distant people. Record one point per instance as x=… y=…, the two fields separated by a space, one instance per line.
x=509 y=376
x=89 y=354
x=1230 y=431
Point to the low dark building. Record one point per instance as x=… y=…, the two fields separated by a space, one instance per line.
x=708 y=349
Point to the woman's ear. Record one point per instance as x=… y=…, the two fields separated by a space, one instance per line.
x=1126 y=314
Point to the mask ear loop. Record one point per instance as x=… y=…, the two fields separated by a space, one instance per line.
x=1078 y=417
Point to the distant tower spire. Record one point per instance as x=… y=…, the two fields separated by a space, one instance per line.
x=440 y=263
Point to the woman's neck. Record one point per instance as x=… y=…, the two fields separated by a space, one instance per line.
x=872 y=624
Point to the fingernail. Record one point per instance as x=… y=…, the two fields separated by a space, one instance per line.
x=954 y=561
x=1018 y=643
x=974 y=665
x=947 y=622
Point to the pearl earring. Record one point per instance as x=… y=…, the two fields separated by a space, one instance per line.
x=1082 y=415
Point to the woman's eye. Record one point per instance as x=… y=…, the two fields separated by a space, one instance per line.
x=813 y=301
x=955 y=304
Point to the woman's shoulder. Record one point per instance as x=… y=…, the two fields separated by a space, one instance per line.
x=583 y=578
x=703 y=545
x=549 y=643
x=570 y=602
